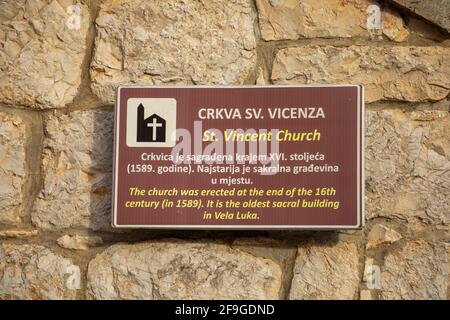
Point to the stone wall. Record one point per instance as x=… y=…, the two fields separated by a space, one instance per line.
x=58 y=75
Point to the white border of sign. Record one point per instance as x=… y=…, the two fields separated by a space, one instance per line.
x=359 y=161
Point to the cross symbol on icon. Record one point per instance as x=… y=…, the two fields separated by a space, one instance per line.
x=154 y=125
x=151 y=128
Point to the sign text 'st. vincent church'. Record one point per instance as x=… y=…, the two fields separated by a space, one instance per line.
x=151 y=129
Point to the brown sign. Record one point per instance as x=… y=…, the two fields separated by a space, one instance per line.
x=249 y=157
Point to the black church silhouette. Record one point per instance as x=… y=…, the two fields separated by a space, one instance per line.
x=152 y=129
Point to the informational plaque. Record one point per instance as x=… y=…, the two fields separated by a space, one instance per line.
x=247 y=157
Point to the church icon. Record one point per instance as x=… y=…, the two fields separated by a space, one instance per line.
x=150 y=129
x=151 y=122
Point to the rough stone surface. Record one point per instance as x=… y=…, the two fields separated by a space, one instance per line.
x=79 y=242
x=419 y=270
x=393 y=26
x=436 y=11
x=293 y=19
x=447 y=245
x=18 y=233
x=56 y=141
x=77 y=164
x=381 y=234
x=368 y=264
x=282 y=252
x=34 y=272
x=181 y=270
x=425 y=30
x=325 y=271
x=12 y=167
x=172 y=42
x=277 y=250
x=407 y=165
x=261 y=80
x=366 y=295
x=40 y=56
x=388 y=73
